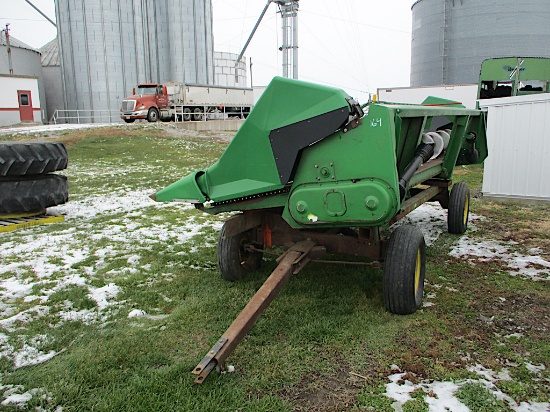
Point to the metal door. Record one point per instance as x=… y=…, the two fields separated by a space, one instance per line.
x=25 y=105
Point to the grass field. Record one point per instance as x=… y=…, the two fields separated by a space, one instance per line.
x=111 y=309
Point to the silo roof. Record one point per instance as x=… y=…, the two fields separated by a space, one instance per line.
x=14 y=42
x=415 y=3
x=50 y=54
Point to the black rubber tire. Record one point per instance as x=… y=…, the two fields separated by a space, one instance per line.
x=459 y=209
x=197 y=114
x=31 y=158
x=32 y=194
x=129 y=120
x=233 y=261
x=404 y=270
x=152 y=115
x=187 y=114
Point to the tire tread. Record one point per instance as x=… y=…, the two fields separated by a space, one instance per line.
x=32 y=158
x=457 y=201
x=32 y=194
x=399 y=296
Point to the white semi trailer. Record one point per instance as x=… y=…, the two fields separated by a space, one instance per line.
x=183 y=102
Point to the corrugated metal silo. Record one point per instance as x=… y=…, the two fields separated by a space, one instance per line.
x=450 y=38
x=107 y=47
x=191 y=43
x=51 y=74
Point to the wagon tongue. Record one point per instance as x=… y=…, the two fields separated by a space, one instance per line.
x=291 y=262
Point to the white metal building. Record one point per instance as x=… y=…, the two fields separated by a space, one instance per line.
x=19 y=100
x=518 y=136
x=463 y=93
x=25 y=61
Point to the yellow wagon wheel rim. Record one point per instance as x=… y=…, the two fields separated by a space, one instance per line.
x=466 y=209
x=417 y=271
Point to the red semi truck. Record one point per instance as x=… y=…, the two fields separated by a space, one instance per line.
x=182 y=102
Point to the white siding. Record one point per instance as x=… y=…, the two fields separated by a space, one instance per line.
x=518 y=136
x=9 y=102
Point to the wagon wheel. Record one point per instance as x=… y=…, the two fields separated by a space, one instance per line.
x=459 y=208
x=404 y=270
x=234 y=261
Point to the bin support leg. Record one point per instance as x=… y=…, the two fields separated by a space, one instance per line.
x=291 y=262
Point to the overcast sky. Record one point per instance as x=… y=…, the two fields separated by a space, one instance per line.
x=357 y=45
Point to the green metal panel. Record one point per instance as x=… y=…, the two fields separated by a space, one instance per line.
x=532 y=68
x=349 y=178
x=515 y=70
x=248 y=165
x=477 y=125
x=185 y=190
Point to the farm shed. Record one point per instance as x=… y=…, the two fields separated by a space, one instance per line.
x=19 y=100
x=518 y=135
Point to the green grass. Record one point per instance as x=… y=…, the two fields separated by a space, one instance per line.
x=477 y=398
x=326 y=343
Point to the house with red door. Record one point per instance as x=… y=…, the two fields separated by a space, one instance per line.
x=19 y=100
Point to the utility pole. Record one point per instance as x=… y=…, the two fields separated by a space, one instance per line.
x=289 y=47
x=289 y=13
x=7 y=31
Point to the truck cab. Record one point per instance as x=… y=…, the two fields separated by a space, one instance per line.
x=148 y=101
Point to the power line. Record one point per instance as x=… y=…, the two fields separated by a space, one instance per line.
x=16 y=19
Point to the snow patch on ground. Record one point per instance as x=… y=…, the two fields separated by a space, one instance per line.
x=529 y=266
x=108 y=204
x=535 y=369
x=14 y=396
x=103 y=296
x=37 y=264
x=441 y=396
x=138 y=313
x=430 y=219
x=55 y=128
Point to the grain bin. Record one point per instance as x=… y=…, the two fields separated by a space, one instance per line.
x=225 y=67
x=108 y=47
x=450 y=38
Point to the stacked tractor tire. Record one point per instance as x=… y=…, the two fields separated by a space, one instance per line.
x=28 y=184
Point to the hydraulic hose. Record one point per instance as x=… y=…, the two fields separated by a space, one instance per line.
x=424 y=152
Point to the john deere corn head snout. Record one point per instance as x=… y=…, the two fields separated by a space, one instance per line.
x=313 y=171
